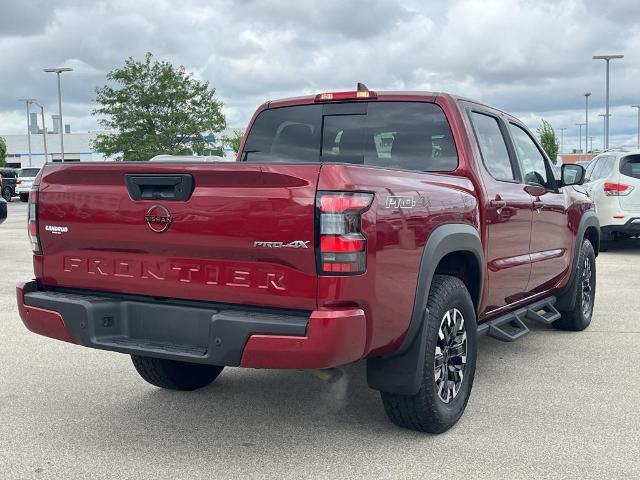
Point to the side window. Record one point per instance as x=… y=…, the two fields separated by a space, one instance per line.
x=589 y=173
x=598 y=170
x=607 y=164
x=630 y=166
x=534 y=166
x=492 y=146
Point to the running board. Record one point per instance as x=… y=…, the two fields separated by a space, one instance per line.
x=510 y=327
x=545 y=314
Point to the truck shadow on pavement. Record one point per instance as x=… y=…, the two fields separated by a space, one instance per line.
x=266 y=409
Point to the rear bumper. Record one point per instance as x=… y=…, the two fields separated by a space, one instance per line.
x=22 y=189
x=630 y=227
x=194 y=331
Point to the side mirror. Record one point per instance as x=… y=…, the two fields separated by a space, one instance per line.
x=3 y=210
x=572 y=174
x=535 y=189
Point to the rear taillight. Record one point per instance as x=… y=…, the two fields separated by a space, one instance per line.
x=32 y=221
x=18 y=182
x=342 y=249
x=616 y=189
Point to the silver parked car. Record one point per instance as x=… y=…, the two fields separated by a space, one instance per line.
x=613 y=182
x=26 y=176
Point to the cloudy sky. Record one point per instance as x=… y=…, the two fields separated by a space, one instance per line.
x=529 y=57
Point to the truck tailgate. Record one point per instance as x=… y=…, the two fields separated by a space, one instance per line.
x=244 y=236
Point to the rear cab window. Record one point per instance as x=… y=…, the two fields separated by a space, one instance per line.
x=405 y=135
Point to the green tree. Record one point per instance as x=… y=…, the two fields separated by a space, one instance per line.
x=155 y=108
x=3 y=152
x=549 y=140
x=234 y=140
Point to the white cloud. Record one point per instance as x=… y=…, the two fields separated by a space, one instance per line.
x=532 y=58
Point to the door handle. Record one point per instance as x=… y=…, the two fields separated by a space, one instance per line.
x=498 y=204
x=537 y=205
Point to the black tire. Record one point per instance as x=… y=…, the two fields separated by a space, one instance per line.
x=174 y=375
x=426 y=411
x=580 y=317
x=24 y=197
x=7 y=193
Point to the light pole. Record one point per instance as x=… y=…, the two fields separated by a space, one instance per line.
x=604 y=130
x=607 y=59
x=44 y=131
x=591 y=143
x=638 y=107
x=58 y=71
x=28 y=101
x=580 y=125
x=586 y=120
x=562 y=129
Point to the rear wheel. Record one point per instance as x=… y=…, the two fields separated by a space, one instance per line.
x=584 y=292
x=7 y=193
x=449 y=364
x=24 y=197
x=174 y=375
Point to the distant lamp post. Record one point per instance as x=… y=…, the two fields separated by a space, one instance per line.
x=562 y=129
x=604 y=129
x=580 y=125
x=638 y=107
x=44 y=131
x=28 y=101
x=58 y=71
x=586 y=120
x=607 y=59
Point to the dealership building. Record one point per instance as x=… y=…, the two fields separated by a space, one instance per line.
x=78 y=147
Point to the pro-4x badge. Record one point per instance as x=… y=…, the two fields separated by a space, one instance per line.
x=294 y=244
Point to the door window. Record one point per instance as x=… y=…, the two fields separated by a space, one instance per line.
x=604 y=168
x=590 y=168
x=534 y=166
x=492 y=146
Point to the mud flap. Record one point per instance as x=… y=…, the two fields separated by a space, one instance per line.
x=401 y=374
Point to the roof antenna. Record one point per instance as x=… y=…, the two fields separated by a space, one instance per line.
x=362 y=87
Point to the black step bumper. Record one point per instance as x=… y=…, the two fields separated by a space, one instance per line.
x=192 y=332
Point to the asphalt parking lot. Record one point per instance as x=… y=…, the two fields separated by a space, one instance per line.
x=552 y=405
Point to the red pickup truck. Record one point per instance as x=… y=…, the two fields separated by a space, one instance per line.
x=391 y=227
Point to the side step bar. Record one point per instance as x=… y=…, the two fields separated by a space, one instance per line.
x=510 y=327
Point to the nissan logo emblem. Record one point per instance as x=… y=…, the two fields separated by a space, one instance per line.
x=158 y=218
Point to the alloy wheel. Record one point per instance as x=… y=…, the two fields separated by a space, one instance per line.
x=587 y=287
x=450 y=355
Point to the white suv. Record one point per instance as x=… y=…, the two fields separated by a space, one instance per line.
x=26 y=176
x=613 y=182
